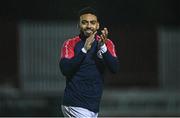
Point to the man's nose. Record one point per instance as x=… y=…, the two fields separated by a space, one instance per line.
x=89 y=25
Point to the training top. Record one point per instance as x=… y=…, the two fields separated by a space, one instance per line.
x=84 y=71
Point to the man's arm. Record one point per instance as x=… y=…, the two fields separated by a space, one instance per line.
x=69 y=61
x=108 y=52
x=109 y=56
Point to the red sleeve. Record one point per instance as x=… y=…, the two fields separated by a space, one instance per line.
x=67 y=50
x=111 y=48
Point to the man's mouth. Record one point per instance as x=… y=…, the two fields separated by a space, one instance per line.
x=88 y=31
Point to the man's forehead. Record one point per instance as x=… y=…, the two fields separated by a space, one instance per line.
x=88 y=16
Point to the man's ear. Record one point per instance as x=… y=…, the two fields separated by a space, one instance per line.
x=98 y=26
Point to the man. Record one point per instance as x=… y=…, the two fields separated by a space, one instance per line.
x=83 y=60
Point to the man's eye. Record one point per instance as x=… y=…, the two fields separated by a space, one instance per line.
x=84 y=22
x=93 y=22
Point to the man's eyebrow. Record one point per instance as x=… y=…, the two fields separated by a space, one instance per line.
x=90 y=20
x=84 y=20
x=93 y=21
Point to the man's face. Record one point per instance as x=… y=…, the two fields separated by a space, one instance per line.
x=88 y=24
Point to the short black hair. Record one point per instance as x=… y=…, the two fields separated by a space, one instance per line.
x=87 y=10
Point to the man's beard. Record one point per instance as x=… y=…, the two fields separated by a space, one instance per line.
x=87 y=32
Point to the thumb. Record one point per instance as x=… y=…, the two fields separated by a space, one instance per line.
x=95 y=33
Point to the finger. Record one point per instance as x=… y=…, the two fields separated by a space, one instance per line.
x=95 y=32
x=106 y=31
x=103 y=31
x=92 y=35
x=102 y=38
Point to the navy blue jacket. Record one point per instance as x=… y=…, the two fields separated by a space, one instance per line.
x=84 y=72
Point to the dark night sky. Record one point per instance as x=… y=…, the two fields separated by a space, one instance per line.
x=119 y=11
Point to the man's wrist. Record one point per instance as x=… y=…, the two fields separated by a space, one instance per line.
x=103 y=48
x=84 y=50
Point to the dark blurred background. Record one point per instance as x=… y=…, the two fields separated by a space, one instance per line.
x=146 y=34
